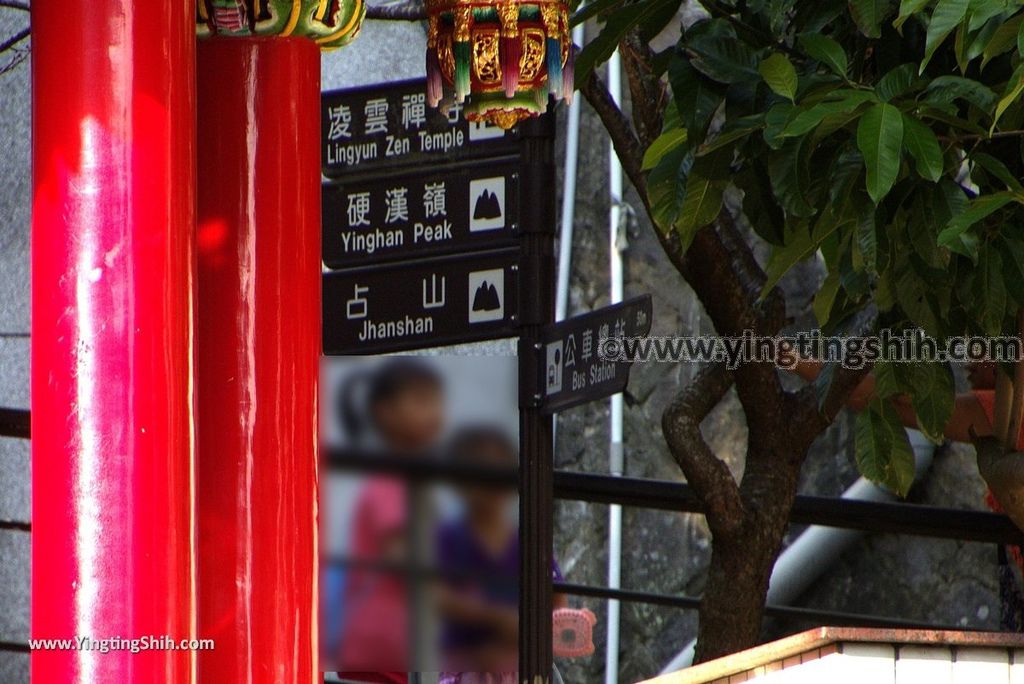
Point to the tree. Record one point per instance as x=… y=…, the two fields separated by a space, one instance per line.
x=885 y=139
x=9 y=44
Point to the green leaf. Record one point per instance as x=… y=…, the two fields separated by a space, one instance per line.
x=977 y=209
x=592 y=9
x=778 y=72
x=1020 y=40
x=932 y=394
x=655 y=23
x=868 y=14
x=618 y=25
x=998 y=170
x=896 y=81
x=879 y=139
x=983 y=10
x=790 y=177
x=989 y=291
x=1014 y=87
x=915 y=297
x=946 y=89
x=980 y=38
x=825 y=50
x=797 y=248
x=696 y=98
x=907 y=9
x=947 y=15
x=962 y=125
x=721 y=56
x=808 y=119
x=727 y=137
x=825 y=297
x=867 y=238
x=700 y=207
x=923 y=147
x=883 y=451
x=666 y=187
x=1003 y=40
x=1013 y=266
x=662 y=145
x=886 y=383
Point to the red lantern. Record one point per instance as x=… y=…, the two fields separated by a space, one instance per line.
x=506 y=56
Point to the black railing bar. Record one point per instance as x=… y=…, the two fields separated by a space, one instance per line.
x=15 y=423
x=15 y=526
x=867 y=516
x=14 y=646
x=786 y=613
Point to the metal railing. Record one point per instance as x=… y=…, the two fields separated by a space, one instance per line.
x=895 y=518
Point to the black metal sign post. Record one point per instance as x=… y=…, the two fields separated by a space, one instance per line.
x=412 y=185
x=536 y=463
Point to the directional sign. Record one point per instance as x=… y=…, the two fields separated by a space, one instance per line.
x=391 y=125
x=572 y=369
x=424 y=303
x=408 y=216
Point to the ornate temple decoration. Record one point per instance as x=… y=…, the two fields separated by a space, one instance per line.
x=331 y=23
x=505 y=56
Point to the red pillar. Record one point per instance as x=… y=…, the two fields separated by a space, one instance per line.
x=112 y=273
x=258 y=346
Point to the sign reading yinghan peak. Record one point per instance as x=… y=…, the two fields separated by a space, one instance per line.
x=420 y=214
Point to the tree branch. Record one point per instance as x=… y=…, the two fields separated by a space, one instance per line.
x=627 y=146
x=647 y=91
x=707 y=474
x=407 y=11
x=709 y=269
x=980 y=137
x=14 y=40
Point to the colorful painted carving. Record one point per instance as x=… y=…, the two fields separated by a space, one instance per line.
x=505 y=56
x=331 y=23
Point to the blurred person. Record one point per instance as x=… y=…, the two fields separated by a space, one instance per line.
x=404 y=406
x=478 y=558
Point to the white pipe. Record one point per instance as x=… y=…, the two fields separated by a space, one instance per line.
x=615 y=449
x=809 y=556
x=572 y=146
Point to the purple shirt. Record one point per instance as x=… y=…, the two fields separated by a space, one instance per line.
x=471 y=569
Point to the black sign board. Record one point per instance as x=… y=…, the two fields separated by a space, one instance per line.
x=423 y=303
x=413 y=215
x=571 y=354
x=363 y=129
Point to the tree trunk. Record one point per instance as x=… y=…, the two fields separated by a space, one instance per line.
x=733 y=602
x=732 y=607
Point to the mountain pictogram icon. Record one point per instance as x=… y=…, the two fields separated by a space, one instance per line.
x=487 y=206
x=486 y=298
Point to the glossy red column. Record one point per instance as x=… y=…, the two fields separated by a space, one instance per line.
x=113 y=128
x=258 y=346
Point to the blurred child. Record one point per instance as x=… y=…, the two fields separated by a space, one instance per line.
x=405 y=407
x=478 y=555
